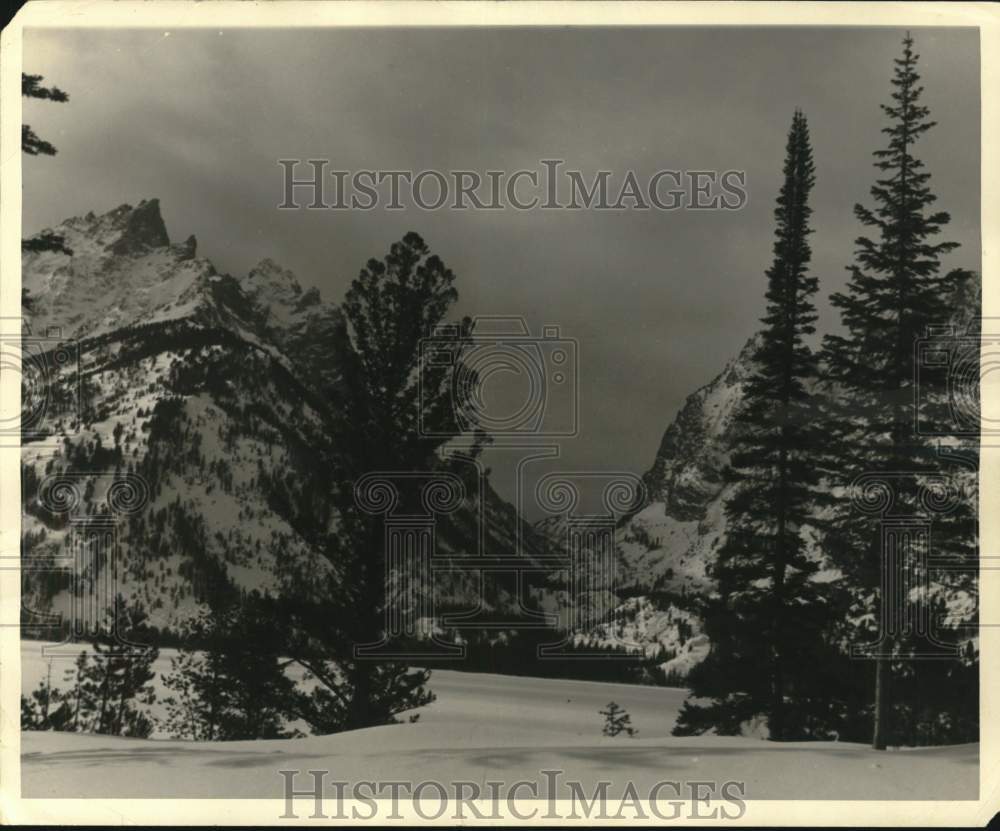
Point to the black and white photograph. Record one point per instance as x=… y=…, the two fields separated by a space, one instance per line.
x=565 y=422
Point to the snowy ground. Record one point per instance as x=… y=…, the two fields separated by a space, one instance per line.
x=489 y=727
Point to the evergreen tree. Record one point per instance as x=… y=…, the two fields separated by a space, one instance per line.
x=390 y=411
x=896 y=292
x=228 y=681
x=196 y=696
x=32 y=145
x=111 y=689
x=46 y=708
x=769 y=614
x=616 y=721
x=31 y=87
x=79 y=699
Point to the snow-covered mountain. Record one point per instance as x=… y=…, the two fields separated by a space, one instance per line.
x=669 y=543
x=212 y=389
x=666 y=549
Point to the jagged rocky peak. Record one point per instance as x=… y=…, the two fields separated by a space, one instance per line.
x=188 y=249
x=123 y=231
x=687 y=471
x=123 y=271
x=143 y=228
x=269 y=282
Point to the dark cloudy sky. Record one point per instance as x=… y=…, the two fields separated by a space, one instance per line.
x=658 y=301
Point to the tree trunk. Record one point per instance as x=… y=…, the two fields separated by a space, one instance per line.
x=105 y=699
x=76 y=708
x=122 y=702
x=777 y=721
x=370 y=619
x=48 y=697
x=880 y=731
x=361 y=694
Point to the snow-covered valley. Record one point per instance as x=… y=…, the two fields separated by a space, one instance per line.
x=488 y=727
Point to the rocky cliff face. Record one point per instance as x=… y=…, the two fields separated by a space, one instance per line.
x=666 y=549
x=668 y=544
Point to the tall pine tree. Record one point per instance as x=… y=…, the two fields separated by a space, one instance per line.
x=895 y=293
x=768 y=616
x=390 y=412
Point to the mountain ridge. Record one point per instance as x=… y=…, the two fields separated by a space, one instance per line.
x=212 y=389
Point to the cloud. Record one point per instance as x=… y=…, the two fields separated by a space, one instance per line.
x=658 y=300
